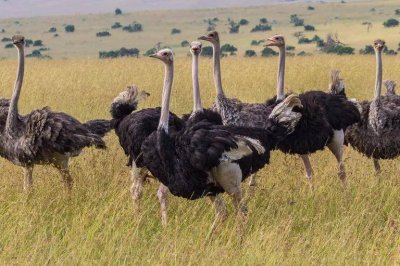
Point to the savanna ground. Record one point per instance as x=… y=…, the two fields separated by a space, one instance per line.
x=287 y=223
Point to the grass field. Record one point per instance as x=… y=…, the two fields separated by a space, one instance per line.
x=287 y=223
x=331 y=17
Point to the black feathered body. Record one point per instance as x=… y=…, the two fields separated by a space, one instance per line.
x=382 y=141
x=44 y=135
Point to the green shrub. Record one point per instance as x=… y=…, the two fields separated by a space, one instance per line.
x=397 y=12
x=267 y=52
x=116 y=25
x=243 y=22
x=261 y=27
x=123 y=52
x=304 y=40
x=296 y=20
x=302 y=53
x=185 y=43
x=9 y=45
x=134 y=27
x=250 y=53
x=53 y=29
x=207 y=51
x=263 y=20
x=340 y=50
x=309 y=28
x=5 y=39
x=118 y=11
x=103 y=34
x=310 y=8
x=150 y=51
x=290 y=48
x=233 y=28
x=367 y=50
x=175 y=31
x=69 y=28
x=228 y=48
x=391 y=23
x=38 y=43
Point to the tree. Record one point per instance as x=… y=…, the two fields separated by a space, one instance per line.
x=53 y=29
x=207 y=51
x=296 y=20
x=185 y=43
x=38 y=43
x=311 y=8
x=250 y=53
x=175 y=31
x=234 y=27
x=123 y=52
x=261 y=27
x=369 y=25
x=70 y=28
x=150 y=51
x=9 y=45
x=134 y=27
x=267 y=52
x=116 y=25
x=391 y=23
x=309 y=28
x=103 y=34
x=118 y=11
x=5 y=39
x=263 y=20
x=243 y=22
x=228 y=48
x=304 y=40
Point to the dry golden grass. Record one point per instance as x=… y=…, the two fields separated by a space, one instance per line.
x=287 y=224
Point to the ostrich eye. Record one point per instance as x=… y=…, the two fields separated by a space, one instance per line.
x=165 y=54
x=211 y=35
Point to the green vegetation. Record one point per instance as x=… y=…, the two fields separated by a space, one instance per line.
x=123 y=52
x=118 y=11
x=290 y=48
x=228 y=49
x=250 y=53
x=70 y=28
x=310 y=8
x=261 y=27
x=207 y=51
x=185 y=43
x=391 y=23
x=243 y=22
x=150 y=51
x=134 y=27
x=268 y=52
x=53 y=29
x=116 y=25
x=9 y=45
x=103 y=34
x=309 y=28
x=175 y=31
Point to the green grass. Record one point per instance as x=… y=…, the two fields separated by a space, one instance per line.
x=287 y=224
x=333 y=17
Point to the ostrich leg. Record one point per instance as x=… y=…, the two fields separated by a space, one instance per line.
x=61 y=164
x=308 y=168
x=221 y=213
x=28 y=178
x=138 y=176
x=162 y=195
x=377 y=167
x=336 y=147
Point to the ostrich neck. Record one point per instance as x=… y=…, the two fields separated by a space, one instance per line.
x=280 y=94
x=378 y=80
x=13 y=110
x=166 y=96
x=217 y=69
x=196 y=87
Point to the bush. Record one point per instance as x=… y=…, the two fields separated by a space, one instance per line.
x=309 y=28
x=340 y=50
x=118 y=11
x=299 y=23
x=261 y=27
x=290 y=48
x=5 y=39
x=38 y=43
x=175 y=31
x=256 y=43
x=243 y=22
x=103 y=34
x=3 y=31
x=389 y=51
x=207 y=51
x=304 y=40
x=316 y=38
x=69 y=28
x=234 y=28
x=134 y=27
x=37 y=54
x=116 y=25
x=267 y=52
x=123 y=52
x=28 y=42
x=9 y=45
x=263 y=20
x=367 y=50
x=397 y=12
x=250 y=53
x=55 y=35
x=150 y=51
x=310 y=8
x=53 y=29
x=391 y=23
x=228 y=48
x=185 y=43
x=296 y=21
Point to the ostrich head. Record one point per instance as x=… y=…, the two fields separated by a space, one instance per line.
x=165 y=55
x=195 y=48
x=336 y=86
x=18 y=41
x=211 y=37
x=390 y=87
x=276 y=40
x=379 y=45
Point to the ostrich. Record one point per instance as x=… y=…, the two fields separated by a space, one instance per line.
x=233 y=111
x=325 y=116
x=201 y=159
x=43 y=136
x=377 y=135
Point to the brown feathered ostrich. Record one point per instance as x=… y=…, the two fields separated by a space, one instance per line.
x=43 y=136
x=377 y=135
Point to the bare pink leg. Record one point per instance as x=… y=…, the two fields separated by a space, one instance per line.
x=162 y=195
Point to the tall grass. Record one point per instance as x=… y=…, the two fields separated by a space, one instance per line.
x=287 y=224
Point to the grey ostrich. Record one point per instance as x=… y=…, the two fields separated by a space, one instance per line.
x=43 y=136
x=233 y=111
x=377 y=135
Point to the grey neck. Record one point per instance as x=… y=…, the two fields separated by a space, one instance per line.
x=280 y=93
x=197 y=107
x=166 y=96
x=378 y=80
x=217 y=69
x=12 y=116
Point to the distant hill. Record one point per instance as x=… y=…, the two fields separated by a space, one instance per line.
x=32 y=8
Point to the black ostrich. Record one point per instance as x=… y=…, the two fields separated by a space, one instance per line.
x=43 y=136
x=325 y=116
x=202 y=159
x=234 y=112
x=377 y=135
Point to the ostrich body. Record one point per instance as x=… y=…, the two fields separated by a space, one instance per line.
x=202 y=159
x=325 y=116
x=43 y=136
x=235 y=113
x=377 y=135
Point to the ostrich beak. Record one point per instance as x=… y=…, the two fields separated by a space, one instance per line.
x=153 y=55
x=271 y=42
x=203 y=38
